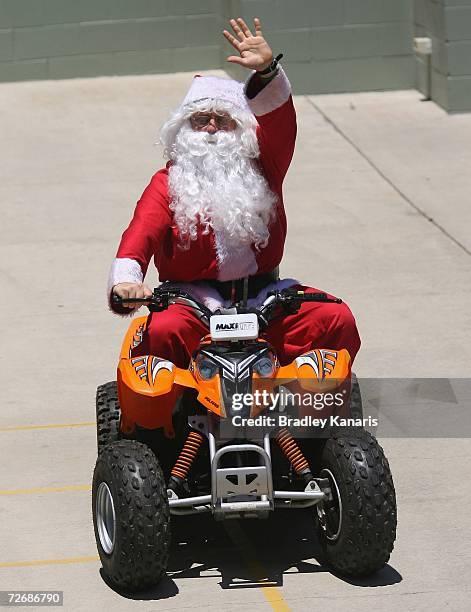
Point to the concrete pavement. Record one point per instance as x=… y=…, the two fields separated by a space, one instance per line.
x=369 y=172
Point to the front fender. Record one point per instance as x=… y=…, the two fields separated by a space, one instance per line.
x=318 y=370
x=148 y=386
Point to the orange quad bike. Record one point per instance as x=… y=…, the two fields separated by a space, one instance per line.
x=175 y=441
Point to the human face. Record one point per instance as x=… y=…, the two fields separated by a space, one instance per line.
x=212 y=122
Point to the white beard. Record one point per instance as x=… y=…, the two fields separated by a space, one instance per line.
x=214 y=183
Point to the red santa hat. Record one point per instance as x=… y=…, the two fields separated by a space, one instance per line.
x=205 y=88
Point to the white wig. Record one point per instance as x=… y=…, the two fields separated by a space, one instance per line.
x=244 y=119
x=215 y=181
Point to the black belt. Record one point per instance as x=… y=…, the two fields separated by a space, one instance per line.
x=234 y=289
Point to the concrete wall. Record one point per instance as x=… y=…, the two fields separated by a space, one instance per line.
x=448 y=24
x=429 y=20
x=337 y=45
x=329 y=45
x=458 y=36
x=41 y=39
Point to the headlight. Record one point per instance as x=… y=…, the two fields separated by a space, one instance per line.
x=265 y=367
x=206 y=368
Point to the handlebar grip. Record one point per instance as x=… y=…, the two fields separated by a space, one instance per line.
x=117 y=299
x=319 y=297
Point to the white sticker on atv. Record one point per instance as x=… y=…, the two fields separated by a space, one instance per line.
x=234 y=327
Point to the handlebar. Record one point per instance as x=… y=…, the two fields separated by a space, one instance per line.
x=289 y=299
x=302 y=296
x=161 y=300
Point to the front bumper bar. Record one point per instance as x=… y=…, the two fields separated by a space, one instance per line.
x=244 y=491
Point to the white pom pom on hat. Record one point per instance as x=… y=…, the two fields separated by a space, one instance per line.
x=216 y=88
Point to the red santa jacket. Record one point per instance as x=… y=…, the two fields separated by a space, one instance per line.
x=152 y=232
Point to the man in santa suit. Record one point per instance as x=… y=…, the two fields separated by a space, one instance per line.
x=214 y=215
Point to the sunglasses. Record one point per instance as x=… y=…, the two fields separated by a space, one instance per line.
x=223 y=122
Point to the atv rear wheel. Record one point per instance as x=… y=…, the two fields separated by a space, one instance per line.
x=108 y=414
x=357 y=528
x=131 y=515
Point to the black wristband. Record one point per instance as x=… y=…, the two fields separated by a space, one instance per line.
x=272 y=67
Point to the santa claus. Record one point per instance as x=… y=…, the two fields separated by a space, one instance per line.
x=215 y=216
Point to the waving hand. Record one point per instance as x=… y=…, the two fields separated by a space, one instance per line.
x=254 y=51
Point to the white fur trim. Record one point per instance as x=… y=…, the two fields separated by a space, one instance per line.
x=273 y=95
x=234 y=260
x=123 y=270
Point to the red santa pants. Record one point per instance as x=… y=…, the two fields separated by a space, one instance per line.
x=174 y=334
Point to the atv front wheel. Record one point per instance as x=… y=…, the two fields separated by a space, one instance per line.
x=131 y=515
x=357 y=526
x=355 y=405
x=108 y=414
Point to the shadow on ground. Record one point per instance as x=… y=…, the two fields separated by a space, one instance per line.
x=246 y=554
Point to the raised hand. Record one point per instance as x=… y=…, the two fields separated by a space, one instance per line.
x=255 y=53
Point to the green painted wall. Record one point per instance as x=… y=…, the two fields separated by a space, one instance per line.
x=429 y=21
x=54 y=39
x=337 y=45
x=329 y=45
x=458 y=37
x=448 y=24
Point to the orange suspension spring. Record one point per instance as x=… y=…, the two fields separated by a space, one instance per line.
x=292 y=451
x=187 y=454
